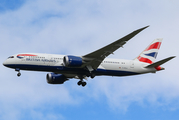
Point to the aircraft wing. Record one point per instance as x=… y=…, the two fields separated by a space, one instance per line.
x=94 y=59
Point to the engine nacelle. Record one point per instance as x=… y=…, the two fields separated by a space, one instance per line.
x=53 y=78
x=72 y=61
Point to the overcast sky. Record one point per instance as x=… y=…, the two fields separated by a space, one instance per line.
x=79 y=27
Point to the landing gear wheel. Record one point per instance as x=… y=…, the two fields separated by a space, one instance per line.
x=79 y=83
x=18 y=74
x=83 y=84
x=92 y=76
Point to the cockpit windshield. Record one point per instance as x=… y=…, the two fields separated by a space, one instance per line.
x=11 y=57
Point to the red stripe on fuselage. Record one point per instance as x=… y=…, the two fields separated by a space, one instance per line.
x=26 y=55
x=146 y=60
x=154 y=46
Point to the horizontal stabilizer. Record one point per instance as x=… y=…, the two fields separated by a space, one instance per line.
x=156 y=64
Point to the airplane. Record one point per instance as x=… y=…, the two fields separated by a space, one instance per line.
x=65 y=67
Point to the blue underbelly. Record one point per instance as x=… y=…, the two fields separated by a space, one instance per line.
x=65 y=70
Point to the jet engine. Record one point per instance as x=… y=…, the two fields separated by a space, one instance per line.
x=53 y=78
x=72 y=61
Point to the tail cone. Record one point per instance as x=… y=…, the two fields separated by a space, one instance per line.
x=158 y=68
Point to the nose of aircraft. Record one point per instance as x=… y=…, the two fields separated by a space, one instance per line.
x=5 y=63
x=8 y=63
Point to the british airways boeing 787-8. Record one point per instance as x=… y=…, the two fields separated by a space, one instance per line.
x=64 y=67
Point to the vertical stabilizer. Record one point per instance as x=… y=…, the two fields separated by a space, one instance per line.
x=150 y=53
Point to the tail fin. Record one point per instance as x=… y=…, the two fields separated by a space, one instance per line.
x=150 y=53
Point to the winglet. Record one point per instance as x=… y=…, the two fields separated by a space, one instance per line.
x=157 y=64
x=144 y=28
x=139 y=30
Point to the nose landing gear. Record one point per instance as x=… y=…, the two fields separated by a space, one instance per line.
x=18 y=70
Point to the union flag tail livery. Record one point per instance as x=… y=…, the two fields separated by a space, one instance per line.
x=150 y=53
x=65 y=67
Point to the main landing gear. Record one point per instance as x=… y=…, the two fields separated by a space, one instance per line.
x=18 y=70
x=81 y=77
x=81 y=83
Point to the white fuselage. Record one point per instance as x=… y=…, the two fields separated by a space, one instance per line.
x=54 y=63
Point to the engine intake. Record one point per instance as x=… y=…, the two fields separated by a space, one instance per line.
x=72 y=61
x=53 y=78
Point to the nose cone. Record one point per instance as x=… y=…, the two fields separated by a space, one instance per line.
x=9 y=63
x=5 y=63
